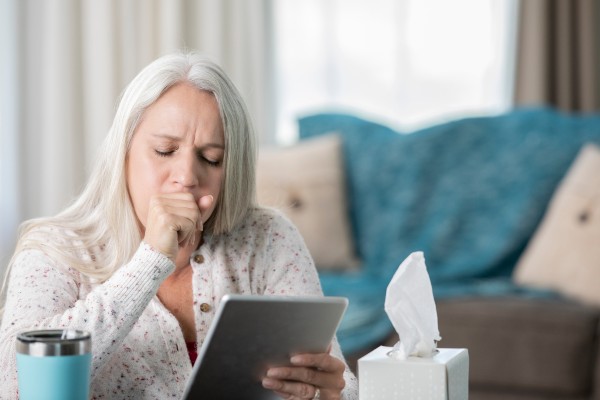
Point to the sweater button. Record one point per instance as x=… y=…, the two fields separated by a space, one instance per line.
x=205 y=307
x=198 y=258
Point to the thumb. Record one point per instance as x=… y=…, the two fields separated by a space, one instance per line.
x=204 y=204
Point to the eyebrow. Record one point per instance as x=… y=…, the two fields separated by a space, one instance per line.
x=178 y=139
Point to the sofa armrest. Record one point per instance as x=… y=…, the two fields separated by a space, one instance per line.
x=541 y=346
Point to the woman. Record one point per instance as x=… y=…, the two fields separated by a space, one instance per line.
x=165 y=227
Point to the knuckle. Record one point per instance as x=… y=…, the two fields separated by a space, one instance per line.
x=337 y=364
x=305 y=391
x=163 y=217
x=286 y=373
x=310 y=375
x=326 y=359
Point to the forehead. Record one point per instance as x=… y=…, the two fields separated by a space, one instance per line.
x=184 y=97
x=183 y=109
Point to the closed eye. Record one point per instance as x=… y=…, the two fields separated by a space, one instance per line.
x=210 y=156
x=164 y=153
x=210 y=162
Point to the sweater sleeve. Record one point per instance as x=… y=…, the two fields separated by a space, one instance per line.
x=42 y=296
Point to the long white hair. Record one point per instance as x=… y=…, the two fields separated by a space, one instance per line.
x=99 y=231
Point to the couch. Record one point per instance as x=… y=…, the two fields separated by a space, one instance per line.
x=473 y=195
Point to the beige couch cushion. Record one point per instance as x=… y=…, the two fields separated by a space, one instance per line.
x=564 y=253
x=306 y=181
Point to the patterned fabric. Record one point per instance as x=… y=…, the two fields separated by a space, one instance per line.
x=468 y=193
x=139 y=351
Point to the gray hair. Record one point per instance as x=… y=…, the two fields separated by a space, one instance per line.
x=99 y=231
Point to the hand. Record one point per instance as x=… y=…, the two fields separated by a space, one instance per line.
x=309 y=375
x=175 y=221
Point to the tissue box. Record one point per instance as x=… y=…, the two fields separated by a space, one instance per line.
x=444 y=376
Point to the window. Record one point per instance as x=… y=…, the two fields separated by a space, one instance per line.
x=409 y=63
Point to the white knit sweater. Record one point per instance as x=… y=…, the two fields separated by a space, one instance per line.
x=138 y=348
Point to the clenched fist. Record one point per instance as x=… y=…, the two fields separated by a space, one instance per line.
x=175 y=222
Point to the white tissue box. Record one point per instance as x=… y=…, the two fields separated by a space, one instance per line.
x=444 y=376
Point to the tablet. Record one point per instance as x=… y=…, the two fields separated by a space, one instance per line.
x=252 y=333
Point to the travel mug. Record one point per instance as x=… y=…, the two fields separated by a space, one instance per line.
x=54 y=364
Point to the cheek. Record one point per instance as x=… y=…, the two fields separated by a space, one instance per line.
x=217 y=182
x=142 y=183
x=214 y=188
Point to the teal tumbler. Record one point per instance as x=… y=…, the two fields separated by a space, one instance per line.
x=54 y=364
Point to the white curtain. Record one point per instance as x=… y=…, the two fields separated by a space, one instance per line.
x=64 y=64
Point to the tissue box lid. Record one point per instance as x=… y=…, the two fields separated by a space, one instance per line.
x=443 y=356
x=444 y=376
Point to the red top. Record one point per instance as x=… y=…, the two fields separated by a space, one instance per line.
x=192 y=349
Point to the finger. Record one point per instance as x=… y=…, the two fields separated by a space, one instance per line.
x=325 y=370
x=160 y=206
x=183 y=223
x=190 y=213
x=176 y=200
x=161 y=217
x=205 y=202
x=288 y=389
x=283 y=395
x=177 y=196
x=299 y=374
x=180 y=217
x=323 y=361
x=288 y=396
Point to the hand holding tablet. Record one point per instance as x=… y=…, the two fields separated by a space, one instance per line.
x=309 y=376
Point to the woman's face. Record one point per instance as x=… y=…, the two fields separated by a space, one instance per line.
x=178 y=146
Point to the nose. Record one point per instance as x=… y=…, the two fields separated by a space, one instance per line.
x=184 y=173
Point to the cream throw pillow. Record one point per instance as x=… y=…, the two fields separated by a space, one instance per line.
x=564 y=253
x=306 y=181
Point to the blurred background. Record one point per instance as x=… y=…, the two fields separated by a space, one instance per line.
x=409 y=63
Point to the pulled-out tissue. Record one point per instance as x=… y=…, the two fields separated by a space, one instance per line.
x=411 y=308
